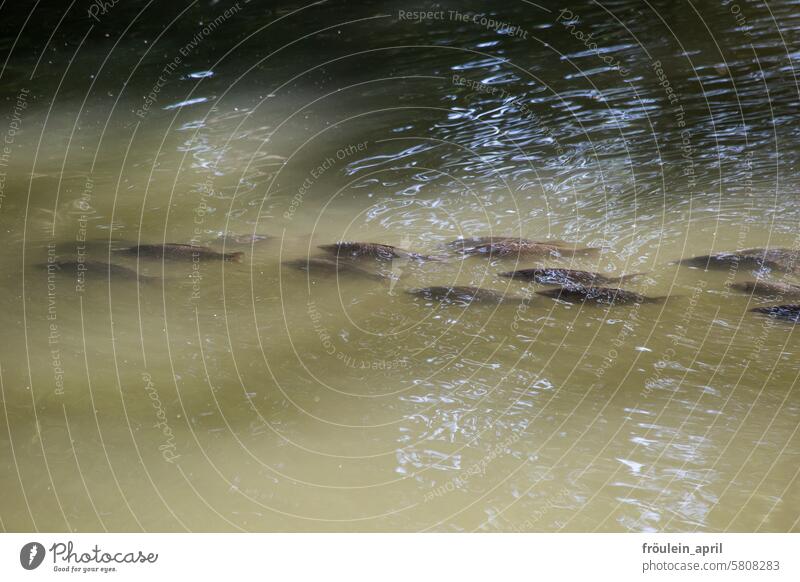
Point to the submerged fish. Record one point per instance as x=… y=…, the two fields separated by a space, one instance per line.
x=780 y=259
x=374 y=250
x=765 y=288
x=607 y=295
x=790 y=312
x=466 y=244
x=464 y=295
x=97 y=270
x=527 y=248
x=181 y=252
x=330 y=266
x=567 y=277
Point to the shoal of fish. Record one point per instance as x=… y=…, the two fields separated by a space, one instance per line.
x=346 y=258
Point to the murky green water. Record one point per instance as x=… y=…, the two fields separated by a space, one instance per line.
x=250 y=396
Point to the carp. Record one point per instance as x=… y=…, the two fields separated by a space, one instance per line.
x=97 y=270
x=566 y=277
x=780 y=259
x=789 y=312
x=377 y=251
x=475 y=241
x=606 y=295
x=506 y=247
x=181 y=252
x=767 y=289
x=460 y=295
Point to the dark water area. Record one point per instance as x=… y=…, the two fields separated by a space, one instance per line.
x=258 y=396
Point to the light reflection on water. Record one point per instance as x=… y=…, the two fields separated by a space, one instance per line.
x=297 y=402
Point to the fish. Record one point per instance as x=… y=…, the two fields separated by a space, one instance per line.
x=465 y=244
x=780 y=259
x=381 y=252
x=606 y=295
x=789 y=312
x=330 y=266
x=97 y=270
x=567 y=277
x=464 y=295
x=720 y=261
x=526 y=248
x=765 y=288
x=181 y=252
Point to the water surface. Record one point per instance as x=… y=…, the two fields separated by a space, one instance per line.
x=250 y=396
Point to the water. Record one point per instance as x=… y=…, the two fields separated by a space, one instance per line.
x=248 y=396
